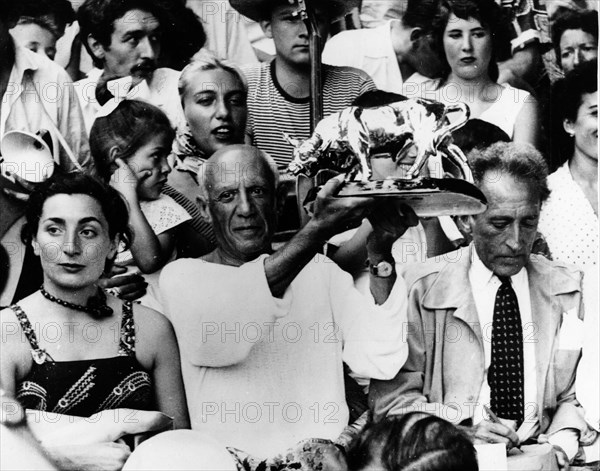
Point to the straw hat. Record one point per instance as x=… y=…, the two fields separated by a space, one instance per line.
x=258 y=10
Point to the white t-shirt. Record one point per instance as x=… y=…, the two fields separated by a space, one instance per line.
x=262 y=373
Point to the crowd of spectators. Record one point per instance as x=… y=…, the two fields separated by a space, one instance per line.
x=158 y=270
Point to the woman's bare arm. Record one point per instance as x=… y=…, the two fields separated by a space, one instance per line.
x=527 y=124
x=157 y=350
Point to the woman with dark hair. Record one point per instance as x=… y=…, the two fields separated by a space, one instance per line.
x=416 y=441
x=569 y=217
x=104 y=353
x=472 y=37
x=575 y=38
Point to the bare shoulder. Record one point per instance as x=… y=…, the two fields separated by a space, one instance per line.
x=150 y=323
x=15 y=350
x=11 y=329
x=151 y=328
x=153 y=335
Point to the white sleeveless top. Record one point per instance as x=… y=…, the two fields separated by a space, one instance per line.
x=503 y=112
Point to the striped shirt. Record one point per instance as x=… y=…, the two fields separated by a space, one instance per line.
x=272 y=111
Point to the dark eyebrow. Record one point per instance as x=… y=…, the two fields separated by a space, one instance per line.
x=90 y=219
x=133 y=33
x=55 y=220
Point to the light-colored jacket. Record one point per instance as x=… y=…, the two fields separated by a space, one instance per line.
x=445 y=367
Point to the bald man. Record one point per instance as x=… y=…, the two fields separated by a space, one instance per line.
x=264 y=334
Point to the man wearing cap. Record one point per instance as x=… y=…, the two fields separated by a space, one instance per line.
x=279 y=92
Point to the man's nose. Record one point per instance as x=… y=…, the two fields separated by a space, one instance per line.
x=303 y=31
x=513 y=239
x=147 y=48
x=245 y=205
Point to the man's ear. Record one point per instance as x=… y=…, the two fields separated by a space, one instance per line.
x=203 y=207
x=97 y=49
x=113 y=153
x=266 y=27
x=568 y=127
x=465 y=224
x=416 y=34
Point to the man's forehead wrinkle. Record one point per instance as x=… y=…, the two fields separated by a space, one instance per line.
x=147 y=19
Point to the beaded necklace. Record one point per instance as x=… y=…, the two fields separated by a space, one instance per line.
x=96 y=305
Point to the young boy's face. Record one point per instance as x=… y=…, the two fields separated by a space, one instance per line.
x=290 y=35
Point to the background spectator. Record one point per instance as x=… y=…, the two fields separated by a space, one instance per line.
x=41 y=24
x=575 y=38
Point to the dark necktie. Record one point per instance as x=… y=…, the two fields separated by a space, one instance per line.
x=505 y=375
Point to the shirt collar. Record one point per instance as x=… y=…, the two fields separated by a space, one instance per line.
x=190 y=164
x=482 y=275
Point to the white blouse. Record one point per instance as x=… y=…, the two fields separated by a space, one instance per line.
x=568 y=221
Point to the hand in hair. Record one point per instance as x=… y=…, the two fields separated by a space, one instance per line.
x=150 y=251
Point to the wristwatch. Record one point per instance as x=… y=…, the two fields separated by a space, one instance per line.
x=382 y=269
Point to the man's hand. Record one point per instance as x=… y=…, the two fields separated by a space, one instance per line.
x=127 y=287
x=333 y=215
x=490 y=432
x=98 y=456
x=390 y=221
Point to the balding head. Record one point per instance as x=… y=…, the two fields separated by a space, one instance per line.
x=238 y=196
x=237 y=159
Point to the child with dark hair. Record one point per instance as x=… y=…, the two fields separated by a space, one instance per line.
x=417 y=442
x=130 y=148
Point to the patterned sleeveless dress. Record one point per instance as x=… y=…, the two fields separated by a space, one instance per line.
x=85 y=387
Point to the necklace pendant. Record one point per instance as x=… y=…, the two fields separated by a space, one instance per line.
x=39 y=355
